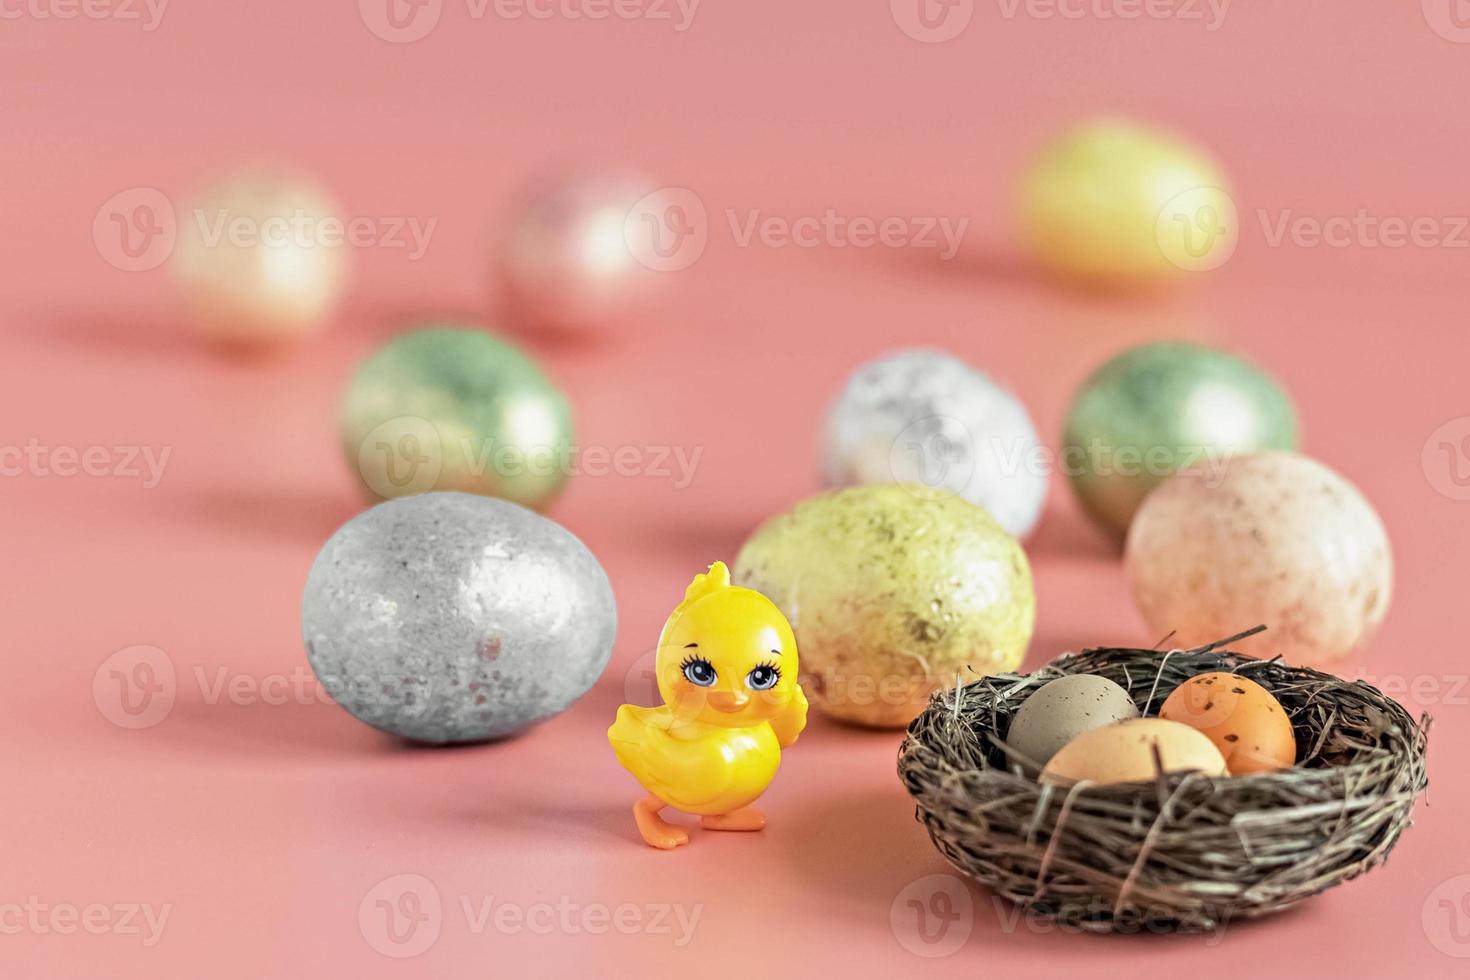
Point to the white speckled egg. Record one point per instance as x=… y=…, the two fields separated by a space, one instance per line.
x=1060 y=710
x=1276 y=539
x=928 y=419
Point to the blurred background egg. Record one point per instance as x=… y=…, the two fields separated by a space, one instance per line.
x=450 y=407
x=893 y=593
x=925 y=417
x=1160 y=407
x=262 y=259
x=448 y=617
x=565 y=265
x=1124 y=753
x=1062 y=709
x=1247 y=724
x=1276 y=539
x=1119 y=204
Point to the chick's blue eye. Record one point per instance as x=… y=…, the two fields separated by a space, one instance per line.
x=699 y=671
x=763 y=678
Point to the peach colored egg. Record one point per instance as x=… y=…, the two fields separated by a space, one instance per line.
x=1247 y=724
x=1271 y=538
x=1124 y=753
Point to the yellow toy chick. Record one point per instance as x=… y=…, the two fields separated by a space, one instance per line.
x=726 y=668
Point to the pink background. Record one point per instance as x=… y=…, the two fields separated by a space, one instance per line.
x=264 y=827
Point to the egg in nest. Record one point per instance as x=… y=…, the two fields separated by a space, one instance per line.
x=1244 y=721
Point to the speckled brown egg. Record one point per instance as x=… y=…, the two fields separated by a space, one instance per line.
x=1247 y=724
x=1124 y=753
x=1271 y=538
x=1060 y=710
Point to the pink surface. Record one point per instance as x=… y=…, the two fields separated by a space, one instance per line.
x=266 y=822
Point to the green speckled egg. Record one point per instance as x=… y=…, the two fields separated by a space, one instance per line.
x=1162 y=407
x=893 y=592
x=454 y=408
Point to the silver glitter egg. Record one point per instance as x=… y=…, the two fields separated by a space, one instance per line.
x=927 y=418
x=452 y=617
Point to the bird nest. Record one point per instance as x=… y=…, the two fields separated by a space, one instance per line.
x=1185 y=852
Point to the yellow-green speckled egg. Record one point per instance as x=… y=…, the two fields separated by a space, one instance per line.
x=893 y=592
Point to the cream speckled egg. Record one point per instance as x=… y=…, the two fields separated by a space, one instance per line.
x=1276 y=539
x=262 y=259
x=893 y=593
x=1124 y=753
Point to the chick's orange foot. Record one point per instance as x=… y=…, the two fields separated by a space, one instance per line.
x=656 y=831
x=746 y=818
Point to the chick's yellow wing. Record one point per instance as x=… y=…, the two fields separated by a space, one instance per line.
x=792 y=720
x=681 y=772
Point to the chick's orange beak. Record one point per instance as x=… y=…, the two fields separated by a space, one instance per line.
x=728 y=701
